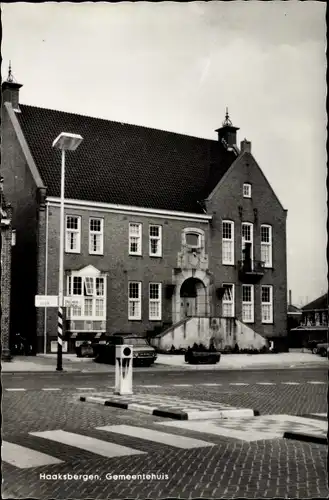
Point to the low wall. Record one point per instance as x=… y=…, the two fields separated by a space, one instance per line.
x=224 y=332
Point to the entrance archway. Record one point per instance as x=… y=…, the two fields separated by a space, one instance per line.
x=193 y=298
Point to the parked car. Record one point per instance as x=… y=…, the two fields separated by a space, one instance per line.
x=313 y=345
x=143 y=353
x=322 y=349
x=84 y=349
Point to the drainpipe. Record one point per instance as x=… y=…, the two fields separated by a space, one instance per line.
x=46 y=284
x=290 y=297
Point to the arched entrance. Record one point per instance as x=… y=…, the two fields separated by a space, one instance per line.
x=193 y=299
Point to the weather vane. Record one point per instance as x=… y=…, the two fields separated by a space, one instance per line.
x=10 y=75
x=227 y=122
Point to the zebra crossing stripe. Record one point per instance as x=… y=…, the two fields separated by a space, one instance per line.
x=212 y=428
x=25 y=458
x=316 y=382
x=266 y=383
x=290 y=383
x=86 y=443
x=156 y=436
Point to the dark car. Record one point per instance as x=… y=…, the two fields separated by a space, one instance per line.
x=143 y=353
x=322 y=349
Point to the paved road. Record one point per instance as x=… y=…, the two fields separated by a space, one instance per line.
x=278 y=391
x=196 y=464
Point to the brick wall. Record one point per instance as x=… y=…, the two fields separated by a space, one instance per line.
x=21 y=192
x=6 y=234
x=120 y=266
x=224 y=204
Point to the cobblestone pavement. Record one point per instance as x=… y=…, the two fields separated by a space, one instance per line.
x=284 y=391
x=213 y=467
x=150 y=376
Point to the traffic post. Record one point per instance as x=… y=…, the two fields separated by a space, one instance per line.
x=123 y=369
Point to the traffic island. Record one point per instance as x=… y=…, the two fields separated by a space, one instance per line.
x=168 y=407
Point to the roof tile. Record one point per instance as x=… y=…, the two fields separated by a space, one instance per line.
x=124 y=164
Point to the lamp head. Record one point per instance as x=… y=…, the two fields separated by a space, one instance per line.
x=66 y=141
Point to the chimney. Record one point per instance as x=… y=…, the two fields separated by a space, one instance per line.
x=245 y=146
x=227 y=132
x=10 y=91
x=289 y=297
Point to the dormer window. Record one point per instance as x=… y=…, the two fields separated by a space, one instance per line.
x=246 y=190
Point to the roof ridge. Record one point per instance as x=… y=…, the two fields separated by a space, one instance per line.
x=119 y=122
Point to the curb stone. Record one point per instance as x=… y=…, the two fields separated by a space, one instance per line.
x=306 y=437
x=172 y=413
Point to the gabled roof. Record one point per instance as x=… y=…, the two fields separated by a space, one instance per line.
x=124 y=164
x=293 y=309
x=320 y=303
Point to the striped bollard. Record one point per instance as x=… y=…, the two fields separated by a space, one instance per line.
x=60 y=339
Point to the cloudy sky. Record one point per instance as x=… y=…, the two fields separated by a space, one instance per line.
x=176 y=66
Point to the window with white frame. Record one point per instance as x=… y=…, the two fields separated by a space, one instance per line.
x=246 y=238
x=96 y=236
x=155 y=241
x=228 y=242
x=91 y=292
x=246 y=190
x=266 y=244
x=267 y=304
x=155 y=301
x=134 y=300
x=72 y=234
x=135 y=239
x=228 y=301
x=248 y=303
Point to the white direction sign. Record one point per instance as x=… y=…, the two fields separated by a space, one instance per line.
x=72 y=302
x=46 y=301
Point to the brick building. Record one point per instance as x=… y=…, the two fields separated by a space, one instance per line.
x=6 y=247
x=313 y=324
x=159 y=226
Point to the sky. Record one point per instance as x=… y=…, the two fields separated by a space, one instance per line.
x=177 y=66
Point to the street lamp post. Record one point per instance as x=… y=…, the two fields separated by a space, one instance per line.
x=65 y=142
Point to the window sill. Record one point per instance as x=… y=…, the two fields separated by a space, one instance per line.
x=135 y=254
x=156 y=256
x=73 y=251
x=134 y=319
x=96 y=253
x=228 y=264
x=155 y=319
x=267 y=323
